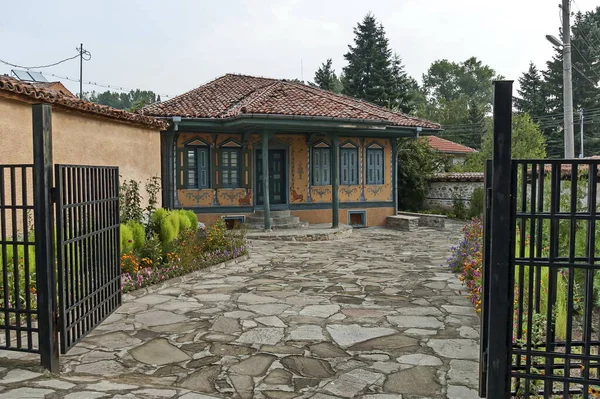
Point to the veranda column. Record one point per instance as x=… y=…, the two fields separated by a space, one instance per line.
x=265 y=182
x=335 y=182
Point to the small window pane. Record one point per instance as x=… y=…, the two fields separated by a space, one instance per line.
x=230 y=167
x=320 y=166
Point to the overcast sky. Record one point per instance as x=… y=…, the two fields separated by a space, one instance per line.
x=173 y=46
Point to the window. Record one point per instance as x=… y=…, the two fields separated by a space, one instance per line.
x=348 y=166
x=374 y=165
x=321 y=169
x=231 y=163
x=197 y=167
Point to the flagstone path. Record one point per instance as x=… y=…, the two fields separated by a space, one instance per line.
x=372 y=316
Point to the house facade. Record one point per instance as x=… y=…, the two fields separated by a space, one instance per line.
x=329 y=158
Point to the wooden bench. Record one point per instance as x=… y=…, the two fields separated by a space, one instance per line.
x=402 y=222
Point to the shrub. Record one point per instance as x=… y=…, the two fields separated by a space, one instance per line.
x=184 y=221
x=169 y=228
x=216 y=237
x=192 y=217
x=152 y=250
x=152 y=189
x=130 y=202
x=476 y=207
x=126 y=238
x=138 y=234
x=460 y=210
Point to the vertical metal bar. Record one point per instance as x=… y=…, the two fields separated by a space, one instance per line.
x=571 y=278
x=44 y=237
x=15 y=252
x=60 y=253
x=483 y=353
x=117 y=232
x=335 y=182
x=4 y=238
x=26 y=260
x=500 y=339
x=539 y=247
x=552 y=274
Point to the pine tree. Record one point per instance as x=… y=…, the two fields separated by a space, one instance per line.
x=531 y=91
x=368 y=74
x=325 y=76
x=400 y=92
x=476 y=119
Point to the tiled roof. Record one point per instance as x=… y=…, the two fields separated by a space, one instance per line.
x=31 y=93
x=234 y=95
x=447 y=146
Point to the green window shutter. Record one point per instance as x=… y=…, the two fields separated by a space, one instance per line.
x=203 y=168
x=326 y=170
x=379 y=167
x=317 y=174
x=181 y=178
x=353 y=178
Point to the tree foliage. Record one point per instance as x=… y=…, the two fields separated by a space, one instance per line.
x=417 y=163
x=528 y=142
x=131 y=101
x=373 y=72
x=326 y=79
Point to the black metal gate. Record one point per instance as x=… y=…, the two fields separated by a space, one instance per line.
x=541 y=314
x=87 y=233
x=82 y=248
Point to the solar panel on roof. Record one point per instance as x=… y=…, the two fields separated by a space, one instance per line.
x=22 y=75
x=38 y=77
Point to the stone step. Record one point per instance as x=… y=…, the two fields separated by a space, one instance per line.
x=275 y=221
x=261 y=226
x=274 y=214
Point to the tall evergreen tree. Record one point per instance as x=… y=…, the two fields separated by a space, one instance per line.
x=586 y=94
x=368 y=74
x=400 y=93
x=325 y=77
x=532 y=94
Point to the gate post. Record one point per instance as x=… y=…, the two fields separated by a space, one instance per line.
x=501 y=279
x=44 y=235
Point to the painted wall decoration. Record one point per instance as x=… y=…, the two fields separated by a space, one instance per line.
x=298 y=164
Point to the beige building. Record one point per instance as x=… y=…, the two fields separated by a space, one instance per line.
x=83 y=133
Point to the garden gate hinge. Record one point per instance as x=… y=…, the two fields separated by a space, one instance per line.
x=485 y=361
x=53 y=194
x=488 y=199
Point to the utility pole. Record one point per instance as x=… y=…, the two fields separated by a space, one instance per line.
x=567 y=81
x=581 y=133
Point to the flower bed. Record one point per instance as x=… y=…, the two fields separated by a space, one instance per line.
x=467 y=259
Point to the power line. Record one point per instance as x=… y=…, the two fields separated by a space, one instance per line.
x=43 y=66
x=106 y=86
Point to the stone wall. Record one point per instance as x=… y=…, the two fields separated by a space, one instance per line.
x=445 y=187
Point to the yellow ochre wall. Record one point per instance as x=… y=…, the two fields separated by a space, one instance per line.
x=298 y=179
x=80 y=138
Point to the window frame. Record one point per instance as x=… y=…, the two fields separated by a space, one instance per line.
x=376 y=151
x=198 y=169
x=318 y=170
x=349 y=181
x=229 y=168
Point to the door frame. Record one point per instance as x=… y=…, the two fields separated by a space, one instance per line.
x=274 y=144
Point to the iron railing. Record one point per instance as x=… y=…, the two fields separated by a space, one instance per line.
x=18 y=303
x=87 y=221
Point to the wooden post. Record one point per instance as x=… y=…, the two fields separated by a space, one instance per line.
x=265 y=174
x=501 y=280
x=335 y=182
x=43 y=213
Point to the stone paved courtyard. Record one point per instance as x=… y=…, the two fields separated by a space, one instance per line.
x=371 y=316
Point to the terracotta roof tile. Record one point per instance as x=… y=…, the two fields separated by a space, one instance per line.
x=39 y=93
x=443 y=145
x=455 y=176
x=234 y=95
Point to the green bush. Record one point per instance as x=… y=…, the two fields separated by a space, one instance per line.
x=169 y=228
x=460 y=210
x=126 y=238
x=476 y=207
x=139 y=234
x=192 y=217
x=184 y=221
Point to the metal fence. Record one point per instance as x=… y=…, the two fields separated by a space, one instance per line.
x=87 y=224
x=18 y=305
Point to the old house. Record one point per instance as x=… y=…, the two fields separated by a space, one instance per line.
x=457 y=153
x=281 y=153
